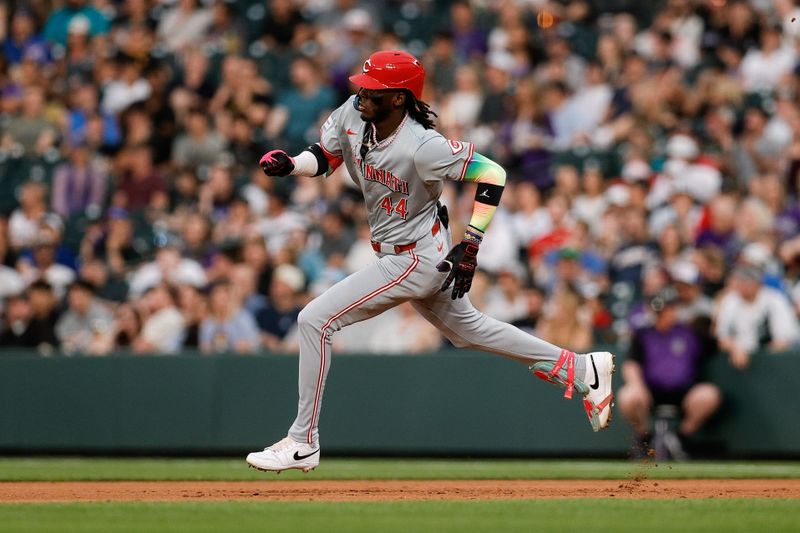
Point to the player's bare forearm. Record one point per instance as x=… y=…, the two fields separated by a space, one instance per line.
x=491 y=180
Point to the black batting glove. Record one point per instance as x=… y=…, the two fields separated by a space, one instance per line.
x=461 y=261
x=277 y=163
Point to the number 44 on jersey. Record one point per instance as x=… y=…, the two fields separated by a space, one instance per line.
x=389 y=207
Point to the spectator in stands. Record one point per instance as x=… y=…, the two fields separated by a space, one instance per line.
x=242 y=144
x=280 y=222
x=279 y=314
x=23 y=41
x=16 y=327
x=226 y=34
x=347 y=41
x=109 y=287
x=283 y=22
x=81 y=52
x=406 y=333
x=559 y=229
x=566 y=321
x=664 y=367
x=243 y=90
x=469 y=38
x=228 y=327
x=694 y=308
x=27 y=219
x=654 y=279
x=195 y=235
x=164 y=329
x=87 y=327
x=670 y=247
x=530 y=219
x=591 y=203
x=217 y=194
x=128 y=86
x=753 y=317
x=563 y=118
x=721 y=231
x=44 y=262
x=127 y=324
x=765 y=67
x=32 y=129
x=168 y=267
x=184 y=25
x=113 y=242
x=80 y=185
x=237 y=225
x=44 y=317
x=194 y=307
x=459 y=110
x=506 y=301
x=306 y=103
x=441 y=62
x=11 y=282
x=254 y=254
x=141 y=185
x=528 y=133
x=200 y=145
x=58 y=22
x=244 y=281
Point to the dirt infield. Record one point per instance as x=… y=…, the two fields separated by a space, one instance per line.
x=309 y=490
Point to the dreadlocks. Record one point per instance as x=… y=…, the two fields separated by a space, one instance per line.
x=420 y=111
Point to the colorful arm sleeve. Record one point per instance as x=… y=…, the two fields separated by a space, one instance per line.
x=491 y=179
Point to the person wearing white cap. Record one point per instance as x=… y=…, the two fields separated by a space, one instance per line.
x=694 y=307
x=59 y=23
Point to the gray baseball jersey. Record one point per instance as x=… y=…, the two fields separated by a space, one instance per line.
x=401 y=179
x=401 y=176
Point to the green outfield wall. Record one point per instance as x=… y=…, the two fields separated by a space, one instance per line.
x=450 y=403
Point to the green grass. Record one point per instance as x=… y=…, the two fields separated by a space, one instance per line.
x=543 y=515
x=77 y=469
x=591 y=515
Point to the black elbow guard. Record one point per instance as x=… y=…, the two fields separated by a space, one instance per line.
x=322 y=161
x=488 y=193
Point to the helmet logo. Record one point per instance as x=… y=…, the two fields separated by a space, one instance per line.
x=367 y=65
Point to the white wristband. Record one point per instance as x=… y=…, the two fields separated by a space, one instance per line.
x=305 y=164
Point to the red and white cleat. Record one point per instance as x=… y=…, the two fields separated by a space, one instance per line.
x=599 y=399
x=594 y=386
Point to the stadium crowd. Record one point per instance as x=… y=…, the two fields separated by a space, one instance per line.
x=652 y=150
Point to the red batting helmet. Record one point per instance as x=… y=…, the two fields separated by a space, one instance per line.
x=392 y=69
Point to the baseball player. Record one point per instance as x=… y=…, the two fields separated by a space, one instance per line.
x=385 y=137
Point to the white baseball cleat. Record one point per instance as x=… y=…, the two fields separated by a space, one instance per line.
x=286 y=454
x=599 y=399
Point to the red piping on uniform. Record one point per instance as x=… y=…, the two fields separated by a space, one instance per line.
x=330 y=321
x=333 y=160
x=466 y=163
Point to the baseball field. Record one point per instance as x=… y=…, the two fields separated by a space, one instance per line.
x=111 y=495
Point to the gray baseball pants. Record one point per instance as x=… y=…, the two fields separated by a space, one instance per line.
x=392 y=280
